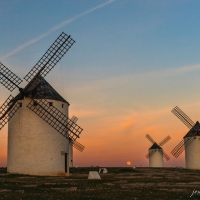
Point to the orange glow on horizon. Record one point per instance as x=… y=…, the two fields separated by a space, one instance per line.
x=112 y=140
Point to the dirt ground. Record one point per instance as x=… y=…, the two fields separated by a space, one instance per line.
x=118 y=183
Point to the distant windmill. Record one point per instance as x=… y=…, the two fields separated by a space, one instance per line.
x=36 y=116
x=190 y=142
x=156 y=153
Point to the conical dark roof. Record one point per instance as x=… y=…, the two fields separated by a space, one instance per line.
x=195 y=131
x=42 y=90
x=155 y=146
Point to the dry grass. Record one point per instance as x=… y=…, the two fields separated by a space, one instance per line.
x=118 y=183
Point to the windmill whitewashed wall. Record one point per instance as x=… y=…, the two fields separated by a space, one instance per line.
x=34 y=147
x=71 y=161
x=192 y=154
x=156 y=158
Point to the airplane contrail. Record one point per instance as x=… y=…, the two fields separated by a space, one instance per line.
x=64 y=23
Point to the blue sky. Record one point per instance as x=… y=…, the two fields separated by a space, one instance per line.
x=133 y=61
x=128 y=36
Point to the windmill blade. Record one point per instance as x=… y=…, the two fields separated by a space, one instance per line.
x=164 y=141
x=5 y=105
x=72 y=122
x=55 y=118
x=74 y=119
x=178 y=149
x=183 y=117
x=150 y=138
x=165 y=156
x=150 y=154
x=9 y=114
x=8 y=78
x=181 y=146
x=52 y=56
x=77 y=145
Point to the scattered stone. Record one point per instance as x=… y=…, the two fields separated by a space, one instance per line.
x=94 y=175
x=103 y=171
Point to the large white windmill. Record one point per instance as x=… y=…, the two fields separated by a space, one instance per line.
x=190 y=142
x=156 y=153
x=35 y=118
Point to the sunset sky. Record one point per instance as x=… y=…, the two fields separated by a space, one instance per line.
x=132 y=62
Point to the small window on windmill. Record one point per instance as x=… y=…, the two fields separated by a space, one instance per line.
x=62 y=105
x=20 y=104
x=50 y=103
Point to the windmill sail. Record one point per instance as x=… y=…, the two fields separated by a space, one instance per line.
x=8 y=78
x=183 y=117
x=186 y=141
x=55 y=118
x=5 y=105
x=78 y=146
x=193 y=130
x=164 y=141
x=4 y=120
x=75 y=144
x=38 y=90
x=150 y=138
x=52 y=56
x=165 y=156
x=56 y=51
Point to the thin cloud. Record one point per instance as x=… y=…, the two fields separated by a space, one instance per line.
x=62 y=24
x=135 y=78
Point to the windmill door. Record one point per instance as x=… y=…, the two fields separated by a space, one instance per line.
x=66 y=162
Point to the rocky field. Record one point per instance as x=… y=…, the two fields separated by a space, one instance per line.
x=118 y=183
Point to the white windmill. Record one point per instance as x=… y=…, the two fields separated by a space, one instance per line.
x=190 y=142
x=36 y=116
x=156 y=153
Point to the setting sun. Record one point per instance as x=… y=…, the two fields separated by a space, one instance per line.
x=128 y=163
